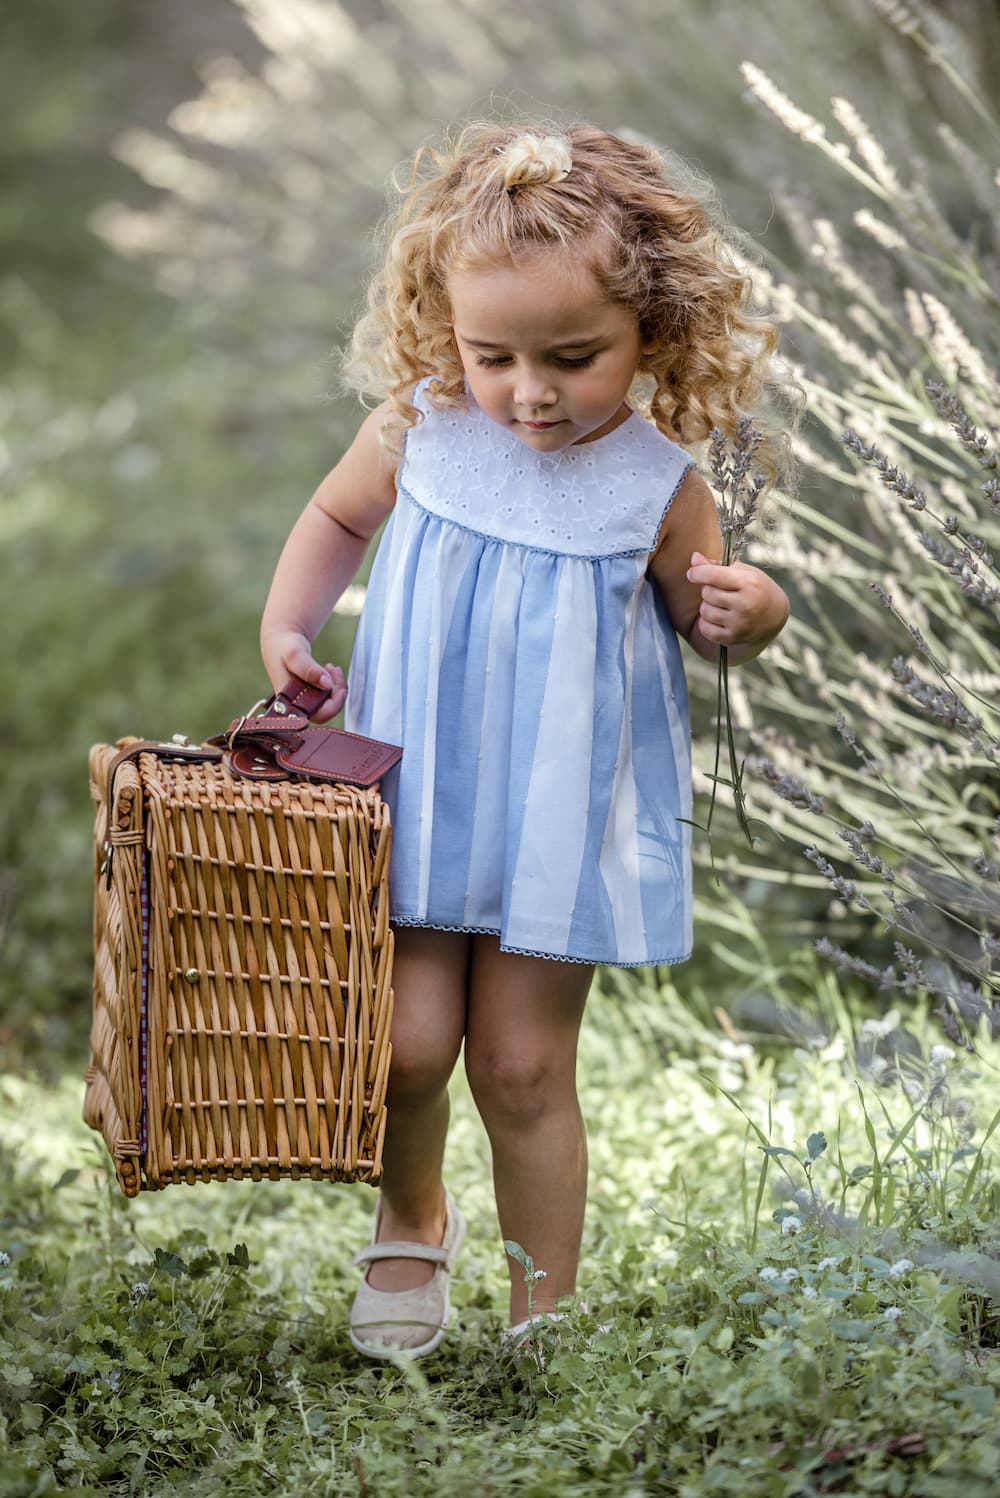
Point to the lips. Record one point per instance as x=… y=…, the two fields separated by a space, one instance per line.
x=540 y=426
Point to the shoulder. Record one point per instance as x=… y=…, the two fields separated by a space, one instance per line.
x=690 y=506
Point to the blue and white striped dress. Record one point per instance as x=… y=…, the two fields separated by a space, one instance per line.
x=511 y=642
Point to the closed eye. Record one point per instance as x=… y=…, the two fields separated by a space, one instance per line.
x=486 y=363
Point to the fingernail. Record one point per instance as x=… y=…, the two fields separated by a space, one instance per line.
x=325 y=681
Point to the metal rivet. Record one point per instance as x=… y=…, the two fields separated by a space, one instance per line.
x=192 y=974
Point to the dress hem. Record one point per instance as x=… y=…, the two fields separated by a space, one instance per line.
x=406 y=920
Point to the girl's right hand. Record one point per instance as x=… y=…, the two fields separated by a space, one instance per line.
x=290 y=655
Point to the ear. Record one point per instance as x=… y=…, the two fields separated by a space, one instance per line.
x=649 y=342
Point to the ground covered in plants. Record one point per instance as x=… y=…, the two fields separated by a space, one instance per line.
x=791 y=1266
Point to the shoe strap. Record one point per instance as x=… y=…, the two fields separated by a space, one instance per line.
x=376 y=1251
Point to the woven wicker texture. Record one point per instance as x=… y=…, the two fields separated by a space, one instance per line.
x=264 y=1035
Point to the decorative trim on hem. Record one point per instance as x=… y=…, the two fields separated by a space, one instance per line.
x=406 y=920
x=410 y=920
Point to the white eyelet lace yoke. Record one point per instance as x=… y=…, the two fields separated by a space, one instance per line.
x=594 y=499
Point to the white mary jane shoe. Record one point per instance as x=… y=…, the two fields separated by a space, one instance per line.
x=386 y=1322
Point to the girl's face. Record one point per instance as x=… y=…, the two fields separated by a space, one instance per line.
x=546 y=354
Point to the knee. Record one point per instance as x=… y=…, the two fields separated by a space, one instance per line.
x=419 y=1069
x=518 y=1088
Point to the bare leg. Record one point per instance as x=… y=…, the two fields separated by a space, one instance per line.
x=429 y=980
x=520 y=1055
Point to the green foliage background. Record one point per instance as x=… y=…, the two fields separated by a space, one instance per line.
x=164 y=418
x=159 y=445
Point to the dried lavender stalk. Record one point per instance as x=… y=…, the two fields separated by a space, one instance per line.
x=740 y=483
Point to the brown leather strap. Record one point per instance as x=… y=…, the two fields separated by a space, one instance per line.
x=279 y=743
x=297 y=696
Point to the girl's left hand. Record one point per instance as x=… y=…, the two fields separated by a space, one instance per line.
x=740 y=604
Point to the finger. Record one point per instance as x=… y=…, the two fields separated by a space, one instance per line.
x=715 y=575
x=717 y=597
x=331 y=707
x=338 y=690
x=709 y=630
x=338 y=695
x=298 y=661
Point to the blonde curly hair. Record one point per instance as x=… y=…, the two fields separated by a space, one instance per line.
x=648 y=234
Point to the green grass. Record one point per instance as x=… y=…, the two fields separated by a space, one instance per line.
x=144 y=1349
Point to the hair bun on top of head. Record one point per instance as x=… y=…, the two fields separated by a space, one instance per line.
x=531 y=160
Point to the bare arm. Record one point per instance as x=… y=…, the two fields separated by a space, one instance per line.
x=738 y=606
x=323 y=552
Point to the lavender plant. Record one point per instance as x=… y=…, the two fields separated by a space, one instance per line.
x=738 y=483
x=893 y=767
x=890 y=285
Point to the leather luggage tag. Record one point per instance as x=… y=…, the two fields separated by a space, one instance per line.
x=281 y=741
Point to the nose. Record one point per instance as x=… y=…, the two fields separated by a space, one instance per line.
x=533 y=390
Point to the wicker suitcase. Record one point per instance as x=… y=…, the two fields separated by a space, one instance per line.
x=243 y=958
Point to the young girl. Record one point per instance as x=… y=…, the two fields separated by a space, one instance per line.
x=549 y=541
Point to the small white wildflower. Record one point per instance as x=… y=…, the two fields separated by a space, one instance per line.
x=941 y=1053
x=901 y=1267
x=913 y=1090
x=928 y=1177
x=789 y=1274
x=892 y=1313
x=810 y=1292
x=138 y=1292
x=734 y=1050
x=540 y=1274
x=4 y=1260
x=828 y=1263
x=791 y=1223
x=768 y=1273
x=883 y=1026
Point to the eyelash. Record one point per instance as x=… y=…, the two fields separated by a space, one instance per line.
x=486 y=363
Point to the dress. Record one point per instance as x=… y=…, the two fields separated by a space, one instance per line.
x=511 y=643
